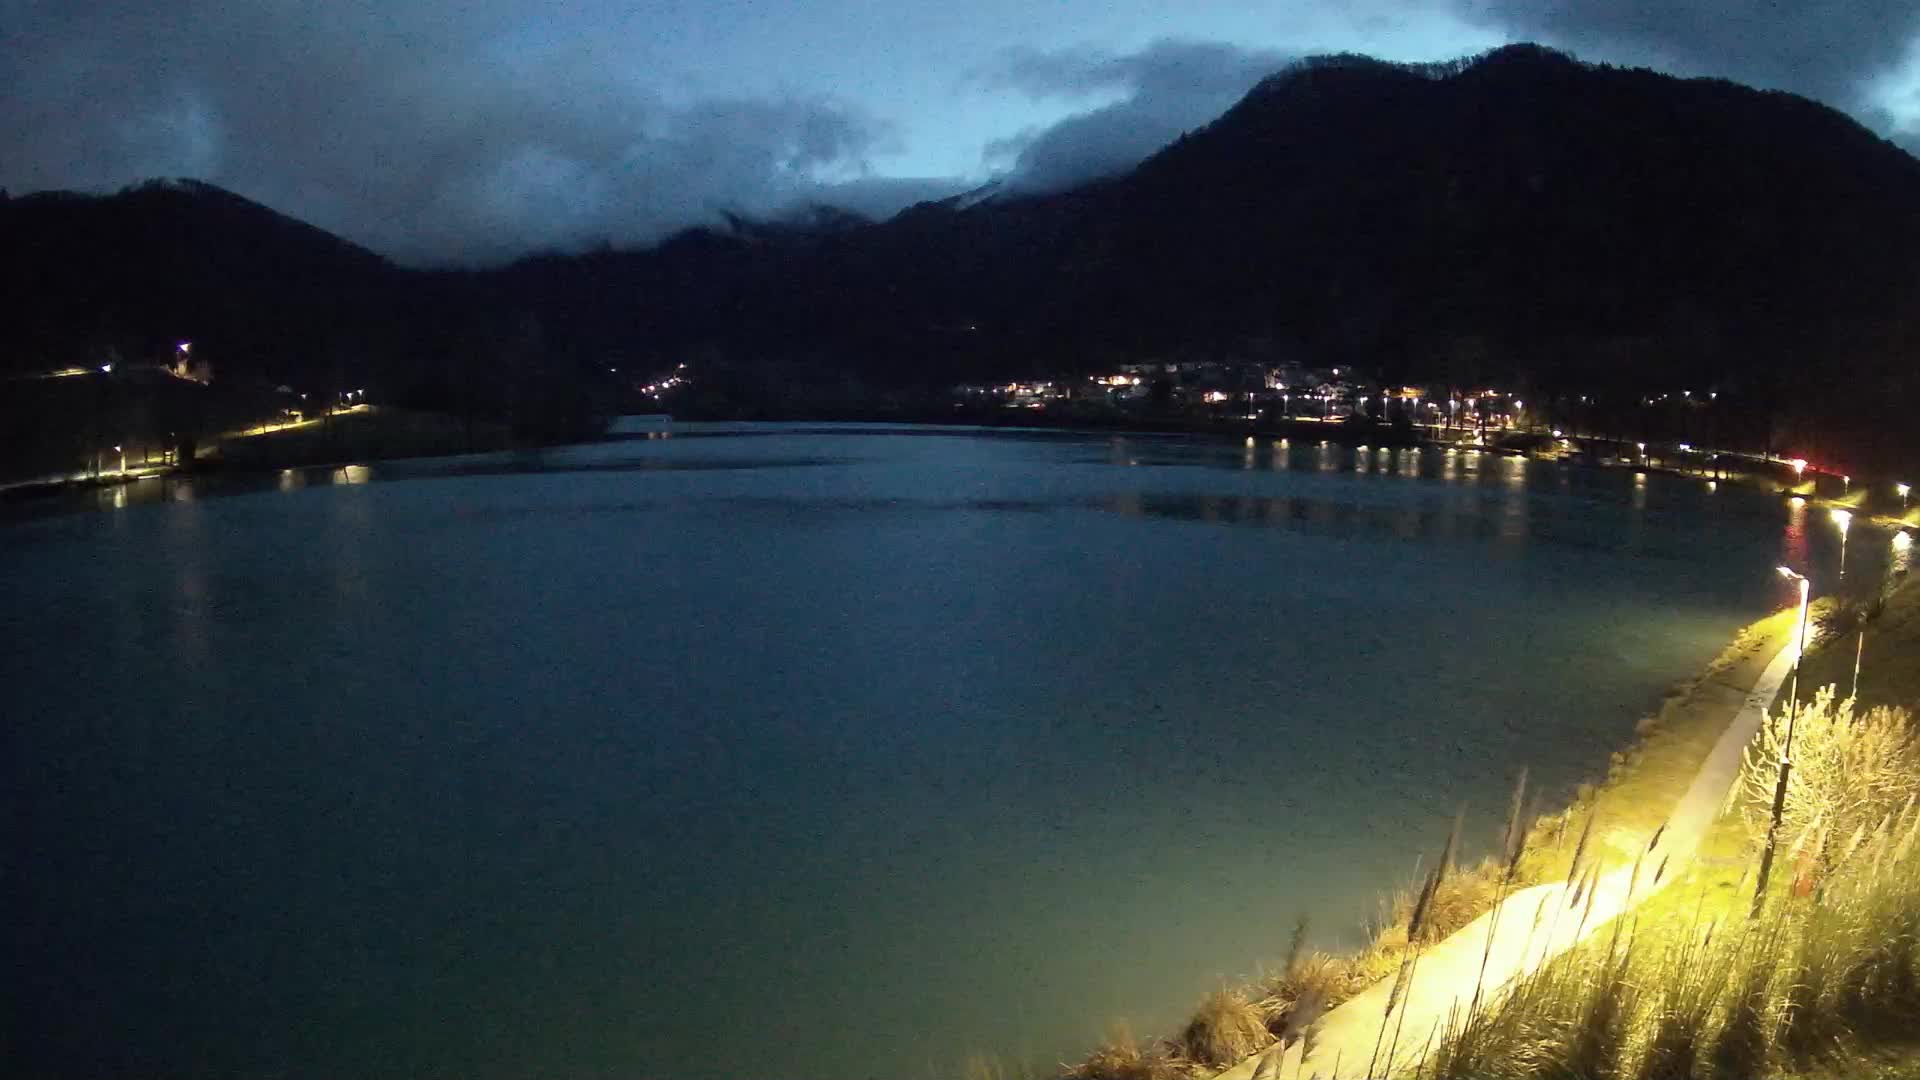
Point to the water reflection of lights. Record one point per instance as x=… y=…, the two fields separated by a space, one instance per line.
x=1795 y=540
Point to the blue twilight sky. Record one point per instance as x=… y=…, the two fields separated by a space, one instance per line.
x=474 y=130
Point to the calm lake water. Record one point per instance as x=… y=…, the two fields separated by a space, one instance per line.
x=825 y=752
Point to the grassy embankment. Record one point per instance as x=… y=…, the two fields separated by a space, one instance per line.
x=1607 y=822
x=1822 y=980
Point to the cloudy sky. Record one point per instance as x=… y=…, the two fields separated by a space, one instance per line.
x=472 y=130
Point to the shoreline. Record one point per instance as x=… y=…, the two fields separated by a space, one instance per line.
x=1456 y=969
x=1641 y=785
x=437 y=444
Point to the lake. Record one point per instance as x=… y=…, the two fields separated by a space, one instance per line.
x=798 y=751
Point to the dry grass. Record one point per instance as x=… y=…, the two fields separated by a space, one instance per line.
x=1225 y=1028
x=1850 y=770
x=1121 y=1057
x=1292 y=998
x=1669 y=1017
x=1702 y=990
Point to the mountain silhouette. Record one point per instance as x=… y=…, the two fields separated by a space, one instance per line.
x=1517 y=217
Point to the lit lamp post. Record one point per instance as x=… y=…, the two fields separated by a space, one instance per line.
x=1842 y=519
x=1901 y=490
x=1786 y=754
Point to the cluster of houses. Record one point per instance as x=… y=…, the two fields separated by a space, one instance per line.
x=1251 y=391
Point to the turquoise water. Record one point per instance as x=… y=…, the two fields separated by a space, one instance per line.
x=814 y=752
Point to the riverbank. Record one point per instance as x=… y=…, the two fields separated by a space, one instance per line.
x=1713 y=886
x=349 y=438
x=1608 y=823
x=1875 y=499
x=1813 y=970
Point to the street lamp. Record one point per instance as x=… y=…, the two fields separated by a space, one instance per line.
x=1786 y=753
x=1902 y=490
x=1842 y=519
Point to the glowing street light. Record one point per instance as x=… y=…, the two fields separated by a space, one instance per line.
x=1902 y=489
x=1799 y=467
x=1786 y=752
x=1842 y=519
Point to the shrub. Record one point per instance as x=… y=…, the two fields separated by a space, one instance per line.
x=1849 y=770
x=1225 y=1028
x=1122 y=1058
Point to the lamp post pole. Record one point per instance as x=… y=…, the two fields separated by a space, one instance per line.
x=1786 y=754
